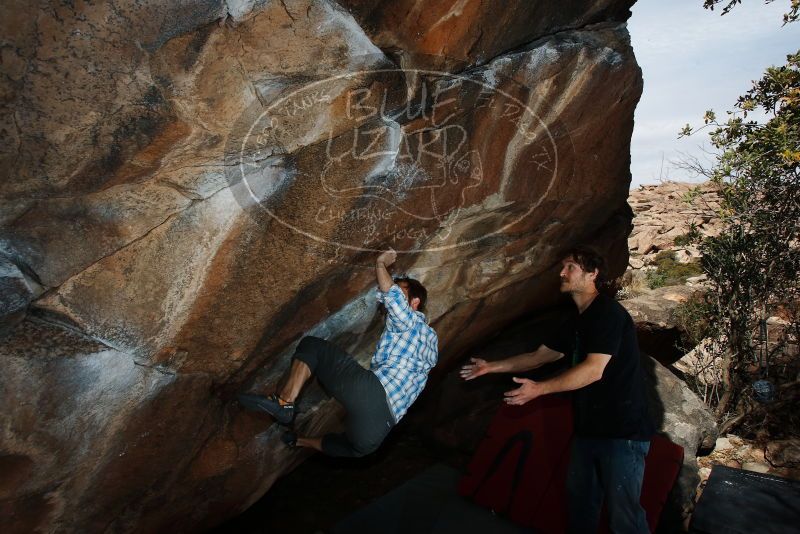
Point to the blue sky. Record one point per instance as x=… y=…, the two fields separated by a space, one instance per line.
x=692 y=60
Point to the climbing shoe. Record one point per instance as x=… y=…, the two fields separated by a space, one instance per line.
x=282 y=412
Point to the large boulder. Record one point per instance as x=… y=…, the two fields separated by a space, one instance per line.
x=195 y=185
x=686 y=420
x=457 y=413
x=703 y=364
x=659 y=331
x=459 y=34
x=17 y=291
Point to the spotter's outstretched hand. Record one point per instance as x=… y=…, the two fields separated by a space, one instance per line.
x=526 y=392
x=477 y=367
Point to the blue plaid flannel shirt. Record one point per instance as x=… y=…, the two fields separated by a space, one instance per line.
x=407 y=351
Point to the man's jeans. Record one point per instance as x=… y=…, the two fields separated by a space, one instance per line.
x=610 y=468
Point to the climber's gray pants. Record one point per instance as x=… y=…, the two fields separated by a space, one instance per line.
x=369 y=418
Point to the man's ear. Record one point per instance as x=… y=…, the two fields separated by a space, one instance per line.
x=594 y=274
x=415 y=303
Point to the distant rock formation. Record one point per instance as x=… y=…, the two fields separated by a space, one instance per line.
x=669 y=218
x=667 y=211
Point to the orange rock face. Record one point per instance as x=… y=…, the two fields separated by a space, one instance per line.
x=192 y=188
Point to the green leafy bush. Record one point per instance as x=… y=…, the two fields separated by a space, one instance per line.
x=691 y=195
x=656 y=279
x=690 y=237
x=669 y=271
x=752 y=266
x=693 y=318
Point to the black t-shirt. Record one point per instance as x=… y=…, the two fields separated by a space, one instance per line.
x=616 y=405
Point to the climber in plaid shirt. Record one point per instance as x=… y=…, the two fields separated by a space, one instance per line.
x=375 y=399
x=407 y=350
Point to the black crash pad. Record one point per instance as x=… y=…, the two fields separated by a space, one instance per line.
x=736 y=501
x=428 y=503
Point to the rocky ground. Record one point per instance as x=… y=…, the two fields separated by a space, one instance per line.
x=666 y=216
x=663 y=270
x=669 y=211
x=780 y=457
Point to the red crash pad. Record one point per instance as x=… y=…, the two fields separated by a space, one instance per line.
x=661 y=469
x=520 y=467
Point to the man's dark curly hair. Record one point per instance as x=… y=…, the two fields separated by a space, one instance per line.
x=415 y=290
x=589 y=260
